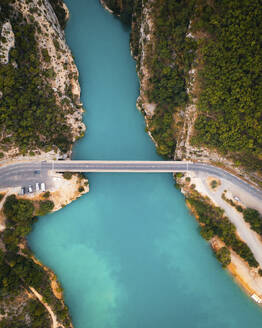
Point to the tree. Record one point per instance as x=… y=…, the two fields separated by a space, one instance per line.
x=223 y=255
x=207 y=232
x=45 y=206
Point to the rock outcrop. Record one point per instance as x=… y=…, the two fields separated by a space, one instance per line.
x=57 y=60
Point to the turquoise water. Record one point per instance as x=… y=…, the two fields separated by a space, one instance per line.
x=128 y=254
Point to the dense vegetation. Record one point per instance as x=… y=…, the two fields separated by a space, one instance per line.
x=39 y=318
x=231 y=100
x=29 y=115
x=17 y=269
x=216 y=224
x=45 y=206
x=20 y=217
x=169 y=62
x=254 y=218
x=223 y=256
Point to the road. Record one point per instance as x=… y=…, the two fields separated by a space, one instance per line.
x=21 y=174
x=252 y=239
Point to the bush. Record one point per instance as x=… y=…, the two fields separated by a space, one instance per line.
x=223 y=255
x=46 y=56
x=254 y=218
x=239 y=208
x=67 y=175
x=207 y=233
x=46 y=194
x=81 y=189
x=45 y=206
x=18 y=210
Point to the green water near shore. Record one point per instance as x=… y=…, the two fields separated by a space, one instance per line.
x=129 y=254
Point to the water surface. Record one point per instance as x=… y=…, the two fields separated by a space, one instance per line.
x=129 y=254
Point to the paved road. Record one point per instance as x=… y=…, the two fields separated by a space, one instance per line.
x=21 y=174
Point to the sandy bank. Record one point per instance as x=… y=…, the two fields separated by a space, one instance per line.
x=248 y=278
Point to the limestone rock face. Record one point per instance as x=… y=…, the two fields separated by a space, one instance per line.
x=56 y=58
x=7 y=42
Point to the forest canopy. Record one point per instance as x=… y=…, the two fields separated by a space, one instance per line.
x=29 y=115
x=230 y=101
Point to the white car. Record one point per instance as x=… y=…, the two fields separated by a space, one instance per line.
x=37 y=186
x=30 y=189
x=236 y=198
x=43 y=186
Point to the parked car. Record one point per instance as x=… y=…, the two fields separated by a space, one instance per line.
x=23 y=191
x=30 y=189
x=43 y=186
x=37 y=186
x=37 y=172
x=236 y=198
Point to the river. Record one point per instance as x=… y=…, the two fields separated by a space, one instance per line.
x=129 y=254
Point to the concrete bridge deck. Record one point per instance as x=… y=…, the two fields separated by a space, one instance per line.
x=23 y=173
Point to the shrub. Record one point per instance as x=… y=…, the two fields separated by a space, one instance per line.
x=207 y=233
x=46 y=194
x=223 y=255
x=67 y=175
x=254 y=218
x=46 y=56
x=18 y=209
x=45 y=206
x=239 y=208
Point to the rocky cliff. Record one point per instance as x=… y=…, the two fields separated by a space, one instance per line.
x=47 y=102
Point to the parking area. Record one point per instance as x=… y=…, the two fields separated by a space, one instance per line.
x=36 y=187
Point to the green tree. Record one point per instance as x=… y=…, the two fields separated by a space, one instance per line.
x=223 y=255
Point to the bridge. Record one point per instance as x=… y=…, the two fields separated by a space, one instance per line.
x=23 y=173
x=118 y=166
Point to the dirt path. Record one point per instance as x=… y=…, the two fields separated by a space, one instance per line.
x=55 y=323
